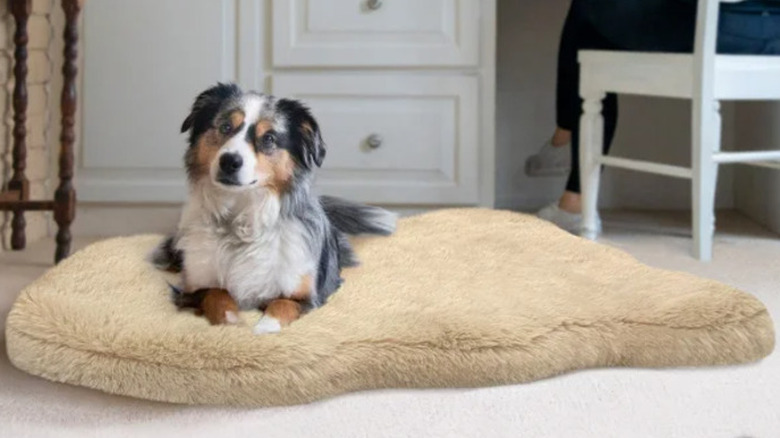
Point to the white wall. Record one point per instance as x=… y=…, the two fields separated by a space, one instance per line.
x=758 y=189
x=528 y=34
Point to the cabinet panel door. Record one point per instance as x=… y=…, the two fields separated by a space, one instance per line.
x=394 y=139
x=395 y=33
x=144 y=63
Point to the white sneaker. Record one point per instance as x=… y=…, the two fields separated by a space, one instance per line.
x=571 y=222
x=549 y=161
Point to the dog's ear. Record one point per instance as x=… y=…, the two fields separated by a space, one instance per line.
x=206 y=106
x=305 y=131
x=188 y=122
x=312 y=141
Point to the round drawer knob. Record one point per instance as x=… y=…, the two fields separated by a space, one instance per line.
x=374 y=4
x=374 y=141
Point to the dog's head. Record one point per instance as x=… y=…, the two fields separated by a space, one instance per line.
x=241 y=141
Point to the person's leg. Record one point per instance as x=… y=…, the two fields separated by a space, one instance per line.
x=578 y=34
x=738 y=33
x=556 y=157
x=749 y=33
x=567 y=79
x=571 y=201
x=560 y=137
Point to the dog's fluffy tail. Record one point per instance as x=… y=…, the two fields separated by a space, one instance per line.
x=352 y=218
x=166 y=257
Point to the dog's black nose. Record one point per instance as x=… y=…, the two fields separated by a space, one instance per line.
x=230 y=163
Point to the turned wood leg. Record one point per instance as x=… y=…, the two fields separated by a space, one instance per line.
x=591 y=144
x=706 y=142
x=21 y=10
x=65 y=196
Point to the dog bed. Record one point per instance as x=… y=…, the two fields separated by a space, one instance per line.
x=457 y=298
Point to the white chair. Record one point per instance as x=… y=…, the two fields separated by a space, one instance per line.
x=705 y=77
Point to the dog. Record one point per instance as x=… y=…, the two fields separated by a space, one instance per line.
x=252 y=230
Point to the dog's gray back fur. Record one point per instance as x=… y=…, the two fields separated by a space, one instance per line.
x=324 y=239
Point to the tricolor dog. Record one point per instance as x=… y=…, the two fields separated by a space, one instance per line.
x=252 y=231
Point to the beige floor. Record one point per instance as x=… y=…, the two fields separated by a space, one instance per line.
x=739 y=401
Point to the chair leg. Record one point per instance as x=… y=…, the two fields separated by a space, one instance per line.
x=21 y=11
x=65 y=196
x=706 y=142
x=591 y=144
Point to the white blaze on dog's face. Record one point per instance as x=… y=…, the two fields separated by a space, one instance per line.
x=235 y=164
x=242 y=141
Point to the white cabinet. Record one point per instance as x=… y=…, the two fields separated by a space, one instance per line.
x=400 y=139
x=403 y=91
x=389 y=33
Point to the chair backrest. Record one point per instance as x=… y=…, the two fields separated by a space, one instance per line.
x=707 y=26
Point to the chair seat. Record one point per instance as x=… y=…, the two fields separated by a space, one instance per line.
x=737 y=77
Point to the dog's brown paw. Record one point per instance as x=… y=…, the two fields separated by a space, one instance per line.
x=219 y=307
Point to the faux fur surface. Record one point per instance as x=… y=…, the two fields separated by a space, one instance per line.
x=456 y=298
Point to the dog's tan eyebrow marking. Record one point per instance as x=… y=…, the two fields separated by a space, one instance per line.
x=262 y=127
x=236 y=118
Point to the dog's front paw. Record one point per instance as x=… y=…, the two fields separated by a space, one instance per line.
x=231 y=318
x=267 y=324
x=219 y=307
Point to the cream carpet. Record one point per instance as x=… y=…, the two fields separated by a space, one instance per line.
x=730 y=401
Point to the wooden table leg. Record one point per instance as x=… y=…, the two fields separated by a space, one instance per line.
x=65 y=196
x=21 y=10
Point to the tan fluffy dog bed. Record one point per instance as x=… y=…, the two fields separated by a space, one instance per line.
x=457 y=298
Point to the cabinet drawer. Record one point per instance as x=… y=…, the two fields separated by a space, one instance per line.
x=394 y=139
x=375 y=33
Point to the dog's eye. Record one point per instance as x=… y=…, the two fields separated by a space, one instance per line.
x=225 y=128
x=269 y=139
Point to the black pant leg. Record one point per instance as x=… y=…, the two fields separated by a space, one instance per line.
x=579 y=34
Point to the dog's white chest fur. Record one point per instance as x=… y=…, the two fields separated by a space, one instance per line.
x=253 y=254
